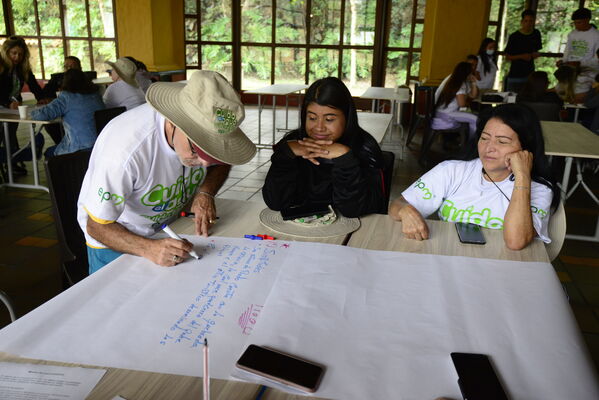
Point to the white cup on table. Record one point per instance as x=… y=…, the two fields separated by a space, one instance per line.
x=23 y=111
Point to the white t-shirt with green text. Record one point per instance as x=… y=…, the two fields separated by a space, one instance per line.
x=457 y=190
x=134 y=177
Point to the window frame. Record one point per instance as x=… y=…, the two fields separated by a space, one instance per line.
x=379 y=47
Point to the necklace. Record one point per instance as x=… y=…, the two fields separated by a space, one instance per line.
x=498 y=188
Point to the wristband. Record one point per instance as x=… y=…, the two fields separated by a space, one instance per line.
x=206 y=193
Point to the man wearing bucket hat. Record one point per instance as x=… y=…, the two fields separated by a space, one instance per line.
x=124 y=91
x=150 y=162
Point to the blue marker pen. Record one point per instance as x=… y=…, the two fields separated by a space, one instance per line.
x=172 y=234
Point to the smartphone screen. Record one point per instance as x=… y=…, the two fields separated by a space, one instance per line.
x=470 y=233
x=477 y=378
x=304 y=210
x=281 y=367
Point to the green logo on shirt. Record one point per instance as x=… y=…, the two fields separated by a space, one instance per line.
x=422 y=186
x=107 y=196
x=448 y=212
x=579 y=48
x=167 y=200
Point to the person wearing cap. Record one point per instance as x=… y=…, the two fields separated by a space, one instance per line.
x=583 y=43
x=124 y=91
x=152 y=161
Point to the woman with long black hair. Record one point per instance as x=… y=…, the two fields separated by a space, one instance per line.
x=487 y=64
x=329 y=159
x=503 y=182
x=453 y=94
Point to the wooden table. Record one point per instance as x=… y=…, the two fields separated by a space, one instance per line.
x=376 y=124
x=5 y=118
x=377 y=232
x=396 y=96
x=376 y=229
x=572 y=140
x=274 y=91
x=238 y=218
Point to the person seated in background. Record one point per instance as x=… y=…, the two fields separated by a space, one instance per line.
x=592 y=102
x=124 y=91
x=487 y=64
x=503 y=182
x=53 y=86
x=573 y=83
x=15 y=71
x=329 y=159
x=454 y=93
x=536 y=90
x=142 y=75
x=78 y=100
x=473 y=60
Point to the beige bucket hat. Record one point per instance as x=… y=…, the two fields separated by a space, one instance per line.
x=126 y=69
x=208 y=110
x=341 y=226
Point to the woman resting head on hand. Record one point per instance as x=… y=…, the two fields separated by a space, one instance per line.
x=503 y=182
x=330 y=159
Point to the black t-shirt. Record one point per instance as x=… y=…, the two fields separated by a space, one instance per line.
x=519 y=43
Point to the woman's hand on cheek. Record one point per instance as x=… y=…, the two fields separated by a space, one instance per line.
x=519 y=163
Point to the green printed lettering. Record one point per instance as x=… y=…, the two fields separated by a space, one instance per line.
x=107 y=196
x=422 y=186
x=448 y=212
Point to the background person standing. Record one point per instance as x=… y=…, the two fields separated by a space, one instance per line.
x=522 y=49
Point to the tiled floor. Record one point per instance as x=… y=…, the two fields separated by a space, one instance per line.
x=29 y=252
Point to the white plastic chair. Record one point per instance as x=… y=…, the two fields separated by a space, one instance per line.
x=557 y=231
x=11 y=310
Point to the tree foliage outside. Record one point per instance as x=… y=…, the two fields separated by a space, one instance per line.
x=290 y=28
x=75 y=26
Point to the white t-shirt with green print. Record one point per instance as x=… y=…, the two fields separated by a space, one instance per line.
x=134 y=177
x=457 y=190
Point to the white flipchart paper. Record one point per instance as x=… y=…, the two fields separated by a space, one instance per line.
x=136 y=315
x=383 y=323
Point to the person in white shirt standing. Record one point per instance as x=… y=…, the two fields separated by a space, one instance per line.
x=487 y=64
x=503 y=182
x=124 y=91
x=583 y=43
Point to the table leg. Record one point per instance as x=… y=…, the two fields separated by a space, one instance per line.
x=566 y=178
x=373 y=105
x=36 y=179
x=286 y=112
x=274 y=110
x=576 y=110
x=259 y=118
x=8 y=153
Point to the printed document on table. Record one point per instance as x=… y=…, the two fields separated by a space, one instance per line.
x=42 y=382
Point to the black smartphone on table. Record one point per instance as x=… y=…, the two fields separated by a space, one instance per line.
x=470 y=233
x=477 y=378
x=281 y=368
x=304 y=210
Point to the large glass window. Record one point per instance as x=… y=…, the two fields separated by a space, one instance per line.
x=85 y=30
x=296 y=41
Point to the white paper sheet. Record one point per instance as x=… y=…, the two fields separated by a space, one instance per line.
x=384 y=324
x=134 y=314
x=43 y=382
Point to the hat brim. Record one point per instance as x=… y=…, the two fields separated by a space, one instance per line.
x=130 y=80
x=274 y=221
x=234 y=148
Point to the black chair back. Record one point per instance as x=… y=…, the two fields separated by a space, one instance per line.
x=389 y=161
x=65 y=175
x=103 y=117
x=545 y=111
